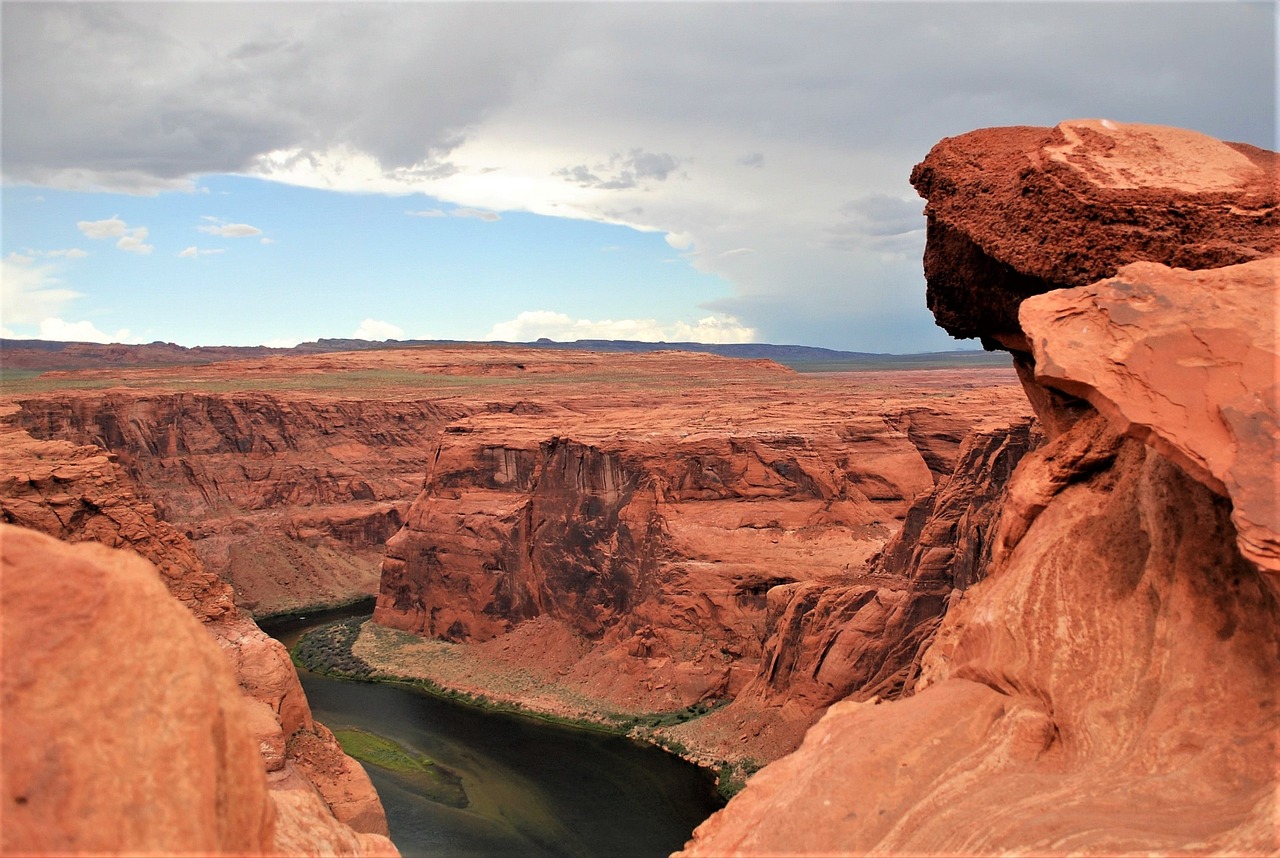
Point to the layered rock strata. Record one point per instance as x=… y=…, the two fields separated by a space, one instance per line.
x=76 y=493
x=861 y=635
x=1110 y=687
x=661 y=548
x=289 y=498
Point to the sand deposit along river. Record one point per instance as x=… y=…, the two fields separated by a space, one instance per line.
x=532 y=788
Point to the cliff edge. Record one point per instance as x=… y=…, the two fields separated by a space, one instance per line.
x=1110 y=686
x=72 y=612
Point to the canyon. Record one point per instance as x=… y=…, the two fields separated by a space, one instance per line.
x=670 y=492
x=974 y=610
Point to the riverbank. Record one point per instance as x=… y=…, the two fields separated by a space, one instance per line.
x=499 y=678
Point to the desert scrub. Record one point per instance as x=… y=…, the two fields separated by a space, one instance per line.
x=436 y=782
x=327 y=650
x=732 y=777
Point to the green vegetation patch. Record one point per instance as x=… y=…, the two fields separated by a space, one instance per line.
x=436 y=782
x=732 y=777
x=327 y=650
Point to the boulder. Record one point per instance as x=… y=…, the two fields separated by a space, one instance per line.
x=123 y=730
x=1110 y=686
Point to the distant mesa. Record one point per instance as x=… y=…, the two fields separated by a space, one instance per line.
x=40 y=355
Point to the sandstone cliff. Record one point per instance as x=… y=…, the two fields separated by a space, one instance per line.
x=76 y=494
x=289 y=498
x=124 y=730
x=1111 y=686
x=660 y=537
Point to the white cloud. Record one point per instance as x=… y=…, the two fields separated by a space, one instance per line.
x=108 y=228
x=229 y=230
x=79 y=332
x=17 y=258
x=31 y=293
x=376 y=330
x=478 y=214
x=192 y=252
x=425 y=213
x=67 y=253
x=536 y=324
x=134 y=241
x=680 y=240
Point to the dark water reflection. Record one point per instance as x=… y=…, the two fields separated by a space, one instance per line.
x=535 y=789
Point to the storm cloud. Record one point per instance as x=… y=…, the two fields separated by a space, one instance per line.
x=787 y=130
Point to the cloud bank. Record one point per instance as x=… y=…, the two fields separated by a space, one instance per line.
x=787 y=130
x=538 y=324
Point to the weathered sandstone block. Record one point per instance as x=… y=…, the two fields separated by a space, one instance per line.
x=123 y=730
x=1111 y=686
x=1014 y=212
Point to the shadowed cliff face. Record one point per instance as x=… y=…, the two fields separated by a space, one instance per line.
x=1110 y=686
x=289 y=498
x=662 y=545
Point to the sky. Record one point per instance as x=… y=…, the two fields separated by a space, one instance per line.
x=272 y=173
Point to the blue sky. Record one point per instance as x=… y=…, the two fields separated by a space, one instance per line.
x=244 y=261
x=245 y=173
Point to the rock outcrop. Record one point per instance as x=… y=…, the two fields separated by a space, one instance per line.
x=1014 y=212
x=289 y=498
x=124 y=730
x=77 y=494
x=861 y=635
x=659 y=537
x=1111 y=686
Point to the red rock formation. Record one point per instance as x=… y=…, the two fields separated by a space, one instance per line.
x=1212 y=409
x=124 y=731
x=76 y=494
x=288 y=498
x=1015 y=212
x=1111 y=686
x=657 y=544
x=861 y=635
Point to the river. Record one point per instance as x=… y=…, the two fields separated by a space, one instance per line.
x=535 y=788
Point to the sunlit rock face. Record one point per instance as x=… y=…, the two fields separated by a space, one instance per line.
x=660 y=536
x=125 y=731
x=288 y=497
x=79 y=495
x=1110 y=687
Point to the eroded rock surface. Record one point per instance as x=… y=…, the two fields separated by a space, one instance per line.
x=1186 y=361
x=659 y=536
x=1014 y=212
x=124 y=730
x=1111 y=686
x=289 y=498
x=77 y=494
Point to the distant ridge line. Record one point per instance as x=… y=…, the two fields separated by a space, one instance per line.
x=18 y=354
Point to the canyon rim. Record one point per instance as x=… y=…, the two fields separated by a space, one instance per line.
x=1024 y=610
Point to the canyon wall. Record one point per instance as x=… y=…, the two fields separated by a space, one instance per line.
x=664 y=539
x=104 y=674
x=288 y=497
x=1110 y=687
